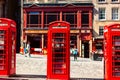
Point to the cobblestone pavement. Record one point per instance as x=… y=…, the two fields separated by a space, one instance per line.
x=34 y=68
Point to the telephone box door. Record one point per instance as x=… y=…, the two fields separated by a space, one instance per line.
x=115 y=56
x=112 y=52
x=3 y=51
x=7 y=47
x=58 y=51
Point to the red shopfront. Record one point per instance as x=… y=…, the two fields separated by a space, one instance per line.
x=7 y=47
x=79 y=15
x=58 y=66
x=112 y=52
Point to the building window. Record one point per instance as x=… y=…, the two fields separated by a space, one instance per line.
x=50 y=17
x=102 y=14
x=101 y=1
x=3 y=10
x=114 y=0
x=114 y=13
x=70 y=17
x=85 y=19
x=73 y=40
x=34 y=19
x=100 y=30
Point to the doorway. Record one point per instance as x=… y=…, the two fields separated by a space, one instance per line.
x=35 y=44
x=85 y=49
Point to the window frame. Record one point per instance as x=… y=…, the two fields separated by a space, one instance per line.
x=73 y=14
x=34 y=13
x=114 y=1
x=101 y=30
x=48 y=14
x=101 y=1
x=115 y=16
x=102 y=16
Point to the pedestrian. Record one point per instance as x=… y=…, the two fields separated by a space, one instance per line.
x=24 y=46
x=75 y=53
x=28 y=49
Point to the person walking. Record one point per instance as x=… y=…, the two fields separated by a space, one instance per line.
x=28 y=48
x=75 y=53
x=24 y=46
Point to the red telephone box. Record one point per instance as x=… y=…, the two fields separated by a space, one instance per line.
x=112 y=52
x=7 y=47
x=58 y=62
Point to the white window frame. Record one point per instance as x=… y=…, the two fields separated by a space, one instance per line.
x=101 y=1
x=114 y=1
x=102 y=14
x=115 y=13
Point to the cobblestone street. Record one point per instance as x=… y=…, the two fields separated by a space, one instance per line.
x=34 y=68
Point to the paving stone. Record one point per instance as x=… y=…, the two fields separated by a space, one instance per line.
x=35 y=68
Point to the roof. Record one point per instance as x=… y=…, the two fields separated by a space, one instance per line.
x=57 y=4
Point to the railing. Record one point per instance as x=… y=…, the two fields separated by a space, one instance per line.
x=58 y=1
x=70 y=1
x=33 y=1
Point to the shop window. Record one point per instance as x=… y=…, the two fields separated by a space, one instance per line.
x=50 y=17
x=70 y=17
x=73 y=40
x=85 y=19
x=99 y=47
x=34 y=19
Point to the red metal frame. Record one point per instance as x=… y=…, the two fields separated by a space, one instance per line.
x=112 y=52
x=58 y=64
x=7 y=47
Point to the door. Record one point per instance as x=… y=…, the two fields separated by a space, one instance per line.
x=116 y=56
x=85 y=48
x=3 y=50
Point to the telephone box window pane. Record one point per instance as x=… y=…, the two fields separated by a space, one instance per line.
x=116 y=56
x=2 y=36
x=2 y=32
x=2 y=57
x=1 y=52
x=2 y=67
x=2 y=61
x=1 y=47
x=58 y=53
x=59 y=57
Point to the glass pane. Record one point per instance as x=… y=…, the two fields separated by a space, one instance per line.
x=116 y=56
x=58 y=53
